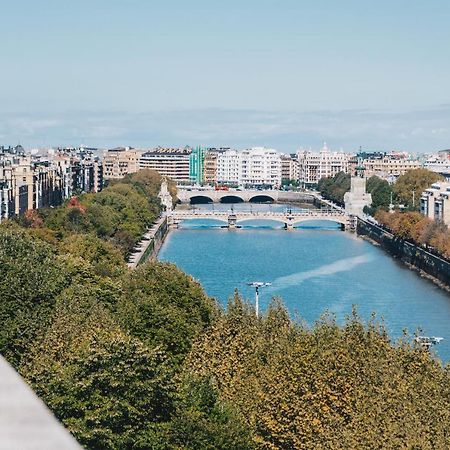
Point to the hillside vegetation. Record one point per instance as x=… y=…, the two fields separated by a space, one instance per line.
x=144 y=359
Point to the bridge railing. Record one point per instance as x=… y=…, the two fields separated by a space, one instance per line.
x=316 y=213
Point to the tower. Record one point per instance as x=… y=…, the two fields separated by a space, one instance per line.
x=357 y=198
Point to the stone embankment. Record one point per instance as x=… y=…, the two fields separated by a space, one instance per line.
x=148 y=247
x=429 y=265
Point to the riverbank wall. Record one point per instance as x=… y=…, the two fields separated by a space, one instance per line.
x=156 y=242
x=428 y=264
x=151 y=243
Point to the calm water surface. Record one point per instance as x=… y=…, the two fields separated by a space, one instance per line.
x=314 y=268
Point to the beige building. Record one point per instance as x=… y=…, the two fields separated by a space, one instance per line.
x=289 y=167
x=211 y=167
x=169 y=162
x=119 y=162
x=387 y=166
x=313 y=166
x=435 y=202
x=26 y=185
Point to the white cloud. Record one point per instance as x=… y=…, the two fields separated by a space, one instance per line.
x=424 y=130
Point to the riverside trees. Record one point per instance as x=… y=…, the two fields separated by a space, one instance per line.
x=144 y=359
x=324 y=387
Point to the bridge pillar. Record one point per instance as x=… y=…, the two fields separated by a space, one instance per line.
x=351 y=224
x=289 y=223
x=232 y=221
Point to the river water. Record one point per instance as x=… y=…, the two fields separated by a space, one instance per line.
x=314 y=268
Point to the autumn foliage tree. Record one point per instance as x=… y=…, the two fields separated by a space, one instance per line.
x=410 y=186
x=325 y=387
x=411 y=225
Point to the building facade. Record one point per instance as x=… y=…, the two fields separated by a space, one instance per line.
x=289 y=167
x=173 y=163
x=258 y=166
x=43 y=180
x=210 y=170
x=388 y=166
x=197 y=165
x=313 y=166
x=120 y=161
x=435 y=202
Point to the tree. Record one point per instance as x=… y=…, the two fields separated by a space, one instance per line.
x=381 y=192
x=410 y=186
x=108 y=388
x=162 y=306
x=204 y=422
x=31 y=278
x=335 y=187
x=325 y=387
x=105 y=258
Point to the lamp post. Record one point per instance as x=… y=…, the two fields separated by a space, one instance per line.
x=257 y=285
x=427 y=341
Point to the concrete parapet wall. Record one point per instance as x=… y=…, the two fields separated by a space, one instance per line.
x=408 y=252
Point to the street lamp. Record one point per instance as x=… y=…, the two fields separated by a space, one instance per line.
x=427 y=341
x=257 y=285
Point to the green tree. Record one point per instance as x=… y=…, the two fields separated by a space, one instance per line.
x=109 y=389
x=31 y=278
x=204 y=422
x=409 y=187
x=335 y=187
x=163 y=306
x=381 y=193
x=105 y=258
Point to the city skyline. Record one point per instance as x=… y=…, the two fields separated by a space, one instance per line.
x=260 y=73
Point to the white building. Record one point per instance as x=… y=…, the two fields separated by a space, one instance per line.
x=313 y=166
x=435 y=202
x=229 y=168
x=439 y=163
x=257 y=166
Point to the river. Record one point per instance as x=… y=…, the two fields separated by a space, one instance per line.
x=314 y=268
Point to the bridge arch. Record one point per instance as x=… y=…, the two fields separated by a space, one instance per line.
x=194 y=222
x=200 y=199
x=269 y=220
x=231 y=199
x=262 y=198
x=340 y=221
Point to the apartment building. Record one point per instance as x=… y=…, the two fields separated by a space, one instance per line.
x=439 y=163
x=435 y=202
x=258 y=166
x=229 y=170
x=289 y=167
x=120 y=161
x=173 y=163
x=388 y=166
x=313 y=166
x=210 y=170
x=261 y=167
x=197 y=165
x=43 y=180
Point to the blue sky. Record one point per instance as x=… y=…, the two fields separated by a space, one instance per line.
x=279 y=73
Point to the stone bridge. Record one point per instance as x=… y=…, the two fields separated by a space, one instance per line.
x=232 y=219
x=235 y=196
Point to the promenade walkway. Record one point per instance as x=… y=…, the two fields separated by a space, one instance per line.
x=144 y=243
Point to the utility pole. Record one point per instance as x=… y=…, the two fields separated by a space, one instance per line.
x=257 y=285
